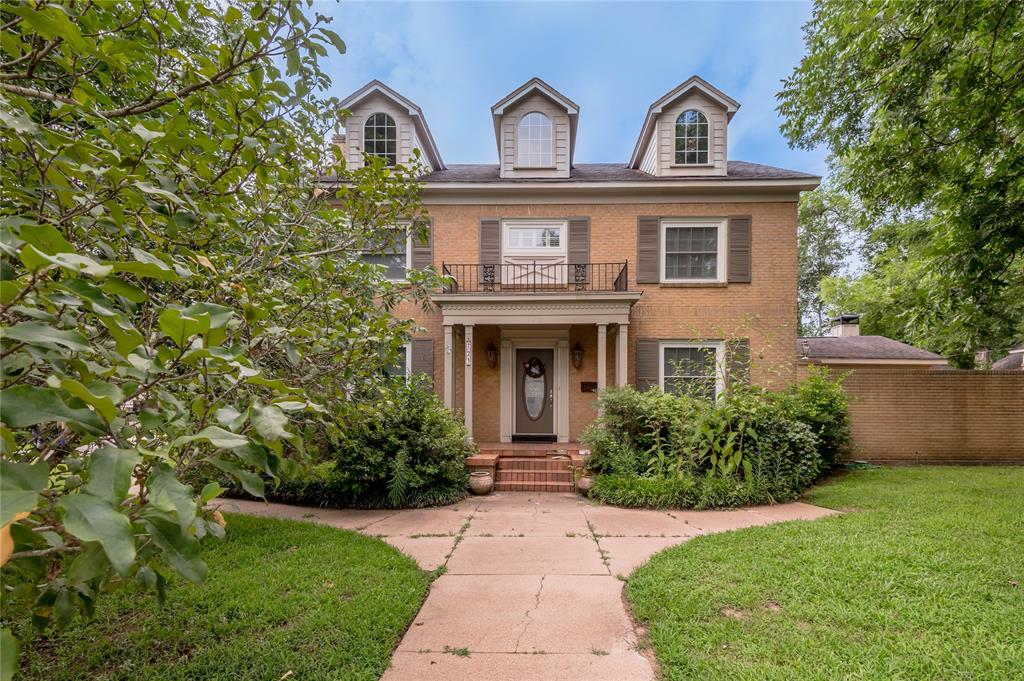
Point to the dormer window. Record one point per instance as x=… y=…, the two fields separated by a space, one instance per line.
x=692 y=138
x=534 y=141
x=380 y=138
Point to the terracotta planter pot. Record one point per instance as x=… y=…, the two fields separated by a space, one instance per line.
x=584 y=484
x=481 y=482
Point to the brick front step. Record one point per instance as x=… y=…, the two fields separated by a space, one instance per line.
x=533 y=486
x=534 y=476
x=532 y=464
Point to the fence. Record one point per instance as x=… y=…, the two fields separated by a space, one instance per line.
x=936 y=417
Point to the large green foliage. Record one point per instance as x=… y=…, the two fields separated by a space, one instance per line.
x=409 y=452
x=175 y=288
x=921 y=105
x=750 y=446
x=824 y=243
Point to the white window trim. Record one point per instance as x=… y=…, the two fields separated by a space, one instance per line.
x=408 y=360
x=525 y=166
x=394 y=122
x=723 y=245
x=711 y=140
x=408 y=256
x=516 y=251
x=719 y=347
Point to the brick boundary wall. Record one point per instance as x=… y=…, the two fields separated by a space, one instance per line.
x=907 y=416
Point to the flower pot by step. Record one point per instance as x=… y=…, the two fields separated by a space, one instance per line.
x=584 y=484
x=481 y=482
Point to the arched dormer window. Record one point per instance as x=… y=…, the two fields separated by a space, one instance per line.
x=380 y=138
x=534 y=141
x=692 y=132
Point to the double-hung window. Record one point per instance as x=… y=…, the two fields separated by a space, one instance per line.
x=693 y=250
x=694 y=369
x=393 y=251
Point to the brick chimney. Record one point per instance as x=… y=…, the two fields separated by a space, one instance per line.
x=845 y=325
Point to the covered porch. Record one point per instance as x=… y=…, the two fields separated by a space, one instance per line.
x=528 y=366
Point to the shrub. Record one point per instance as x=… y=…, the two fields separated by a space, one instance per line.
x=819 y=401
x=405 y=451
x=750 y=446
x=410 y=451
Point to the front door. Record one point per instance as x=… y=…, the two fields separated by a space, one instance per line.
x=535 y=394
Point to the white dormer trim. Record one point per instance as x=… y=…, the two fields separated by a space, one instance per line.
x=697 y=83
x=424 y=140
x=536 y=85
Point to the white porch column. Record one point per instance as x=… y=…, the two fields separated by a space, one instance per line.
x=468 y=394
x=621 y=352
x=562 y=391
x=505 y=388
x=602 y=355
x=449 y=369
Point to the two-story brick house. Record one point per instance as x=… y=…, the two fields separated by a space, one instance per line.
x=675 y=266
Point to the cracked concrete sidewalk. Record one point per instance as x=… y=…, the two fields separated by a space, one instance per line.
x=532 y=586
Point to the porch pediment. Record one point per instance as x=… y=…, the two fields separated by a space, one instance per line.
x=531 y=309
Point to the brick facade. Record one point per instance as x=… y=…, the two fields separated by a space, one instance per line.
x=936 y=417
x=763 y=311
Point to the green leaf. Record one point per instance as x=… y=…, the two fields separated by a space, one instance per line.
x=34 y=260
x=145 y=133
x=270 y=422
x=126 y=337
x=91 y=518
x=26 y=405
x=88 y=565
x=110 y=472
x=168 y=494
x=36 y=333
x=20 y=485
x=211 y=491
x=251 y=483
x=9 y=650
x=179 y=327
x=106 y=405
x=46 y=239
x=153 y=190
x=181 y=551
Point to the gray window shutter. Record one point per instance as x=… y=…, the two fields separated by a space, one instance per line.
x=423 y=357
x=647 y=359
x=739 y=249
x=579 y=249
x=648 y=251
x=423 y=249
x=579 y=241
x=737 y=361
x=490 y=244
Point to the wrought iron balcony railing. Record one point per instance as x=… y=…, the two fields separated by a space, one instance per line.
x=536 y=277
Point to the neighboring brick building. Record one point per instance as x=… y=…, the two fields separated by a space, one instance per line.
x=675 y=267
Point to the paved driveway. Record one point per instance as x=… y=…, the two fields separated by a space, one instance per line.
x=532 y=587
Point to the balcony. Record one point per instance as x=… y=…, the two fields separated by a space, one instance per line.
x=537 y=277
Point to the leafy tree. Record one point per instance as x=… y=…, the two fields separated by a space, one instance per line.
x=921 y=105
x=824 y=243
x=176 y=284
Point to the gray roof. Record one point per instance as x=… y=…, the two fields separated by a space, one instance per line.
x=610 y=172
x=861 y=347
x=1013 y=361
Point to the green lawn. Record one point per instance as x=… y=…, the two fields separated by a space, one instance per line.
x=281 y=596
x=923 y=579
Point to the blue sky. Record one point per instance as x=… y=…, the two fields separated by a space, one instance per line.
x=456 y=59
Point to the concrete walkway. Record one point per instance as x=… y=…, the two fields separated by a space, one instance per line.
x=532 y=587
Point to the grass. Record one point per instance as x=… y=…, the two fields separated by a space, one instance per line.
x=923 y=579
x=281 y=597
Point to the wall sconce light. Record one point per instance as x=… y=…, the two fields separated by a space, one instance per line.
x=492 y=355
x=577 y=355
